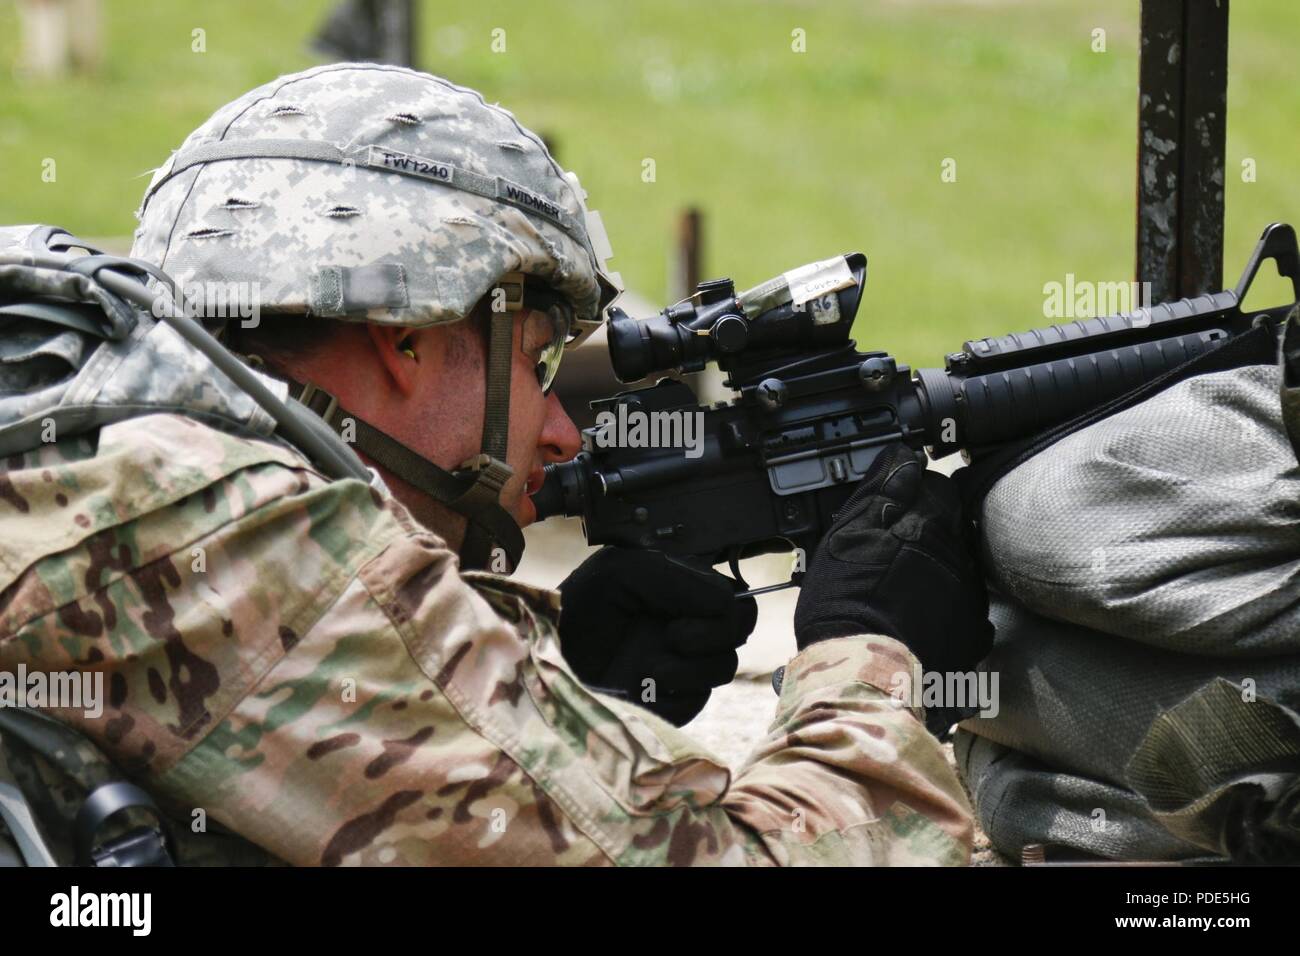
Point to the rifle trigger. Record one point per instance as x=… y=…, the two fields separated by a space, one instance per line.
x=733 y=560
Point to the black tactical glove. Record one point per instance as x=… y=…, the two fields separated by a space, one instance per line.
x=631 y=616
x=898 y=561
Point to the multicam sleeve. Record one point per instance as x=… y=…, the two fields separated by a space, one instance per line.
x=846 y=774
x=393 y=730
x=429 y=718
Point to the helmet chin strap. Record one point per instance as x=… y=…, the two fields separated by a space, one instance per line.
x=473 y=489
x=490 y=464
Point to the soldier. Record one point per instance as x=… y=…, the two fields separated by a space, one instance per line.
x=322 y=667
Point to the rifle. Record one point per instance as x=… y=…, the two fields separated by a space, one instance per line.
x=767 y=470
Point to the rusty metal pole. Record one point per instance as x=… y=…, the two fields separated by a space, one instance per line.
x=686 y=268
x=397 y=28
x=378 y=31
x=1182 y=110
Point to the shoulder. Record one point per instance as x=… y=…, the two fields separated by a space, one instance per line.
x=155 y=483
x=179 y=560
x=147 y=515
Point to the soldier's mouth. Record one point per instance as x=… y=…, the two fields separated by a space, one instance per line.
x=535 y=479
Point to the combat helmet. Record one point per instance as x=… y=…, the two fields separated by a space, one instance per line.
x=372 y=193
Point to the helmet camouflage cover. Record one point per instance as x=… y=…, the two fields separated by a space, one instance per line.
x=371 y=193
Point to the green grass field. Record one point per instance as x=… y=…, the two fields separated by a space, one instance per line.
x=793 y=156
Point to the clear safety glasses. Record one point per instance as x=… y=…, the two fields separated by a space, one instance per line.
x=548 y=327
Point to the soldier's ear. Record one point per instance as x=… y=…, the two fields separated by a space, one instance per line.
x=398 y=352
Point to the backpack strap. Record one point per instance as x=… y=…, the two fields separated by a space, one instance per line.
x=79 y=318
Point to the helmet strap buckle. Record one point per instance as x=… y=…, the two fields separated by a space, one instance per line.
x=492 y=473
x=319 y=401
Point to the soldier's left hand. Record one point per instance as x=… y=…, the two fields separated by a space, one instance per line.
x=652 y=631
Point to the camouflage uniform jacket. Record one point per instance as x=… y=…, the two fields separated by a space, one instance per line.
x=308 y=666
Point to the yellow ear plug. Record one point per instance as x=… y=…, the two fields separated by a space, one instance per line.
x=410 y=352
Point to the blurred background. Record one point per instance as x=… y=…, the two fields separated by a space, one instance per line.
x=975 y=150
x=788 y=156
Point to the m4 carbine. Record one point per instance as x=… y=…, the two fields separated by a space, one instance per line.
x=768 y=469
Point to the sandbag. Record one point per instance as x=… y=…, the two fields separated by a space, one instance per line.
x=1147 y=609
x=1120 y=750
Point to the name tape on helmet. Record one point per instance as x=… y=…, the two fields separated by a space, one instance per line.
x=520 y=196
x=380 y=158
x=490 y=187
x=400 y=162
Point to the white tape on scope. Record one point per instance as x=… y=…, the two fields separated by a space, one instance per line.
x=818 y=279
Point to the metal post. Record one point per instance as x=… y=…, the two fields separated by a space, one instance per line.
x=379 y=31
x=686 y=268
x=396 y=20
x=1182 y=108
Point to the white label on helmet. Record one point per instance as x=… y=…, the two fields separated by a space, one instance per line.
x=410 y=165
x=818 y=279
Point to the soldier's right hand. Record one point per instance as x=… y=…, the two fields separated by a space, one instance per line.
x=652 y=631
x=899 y=560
